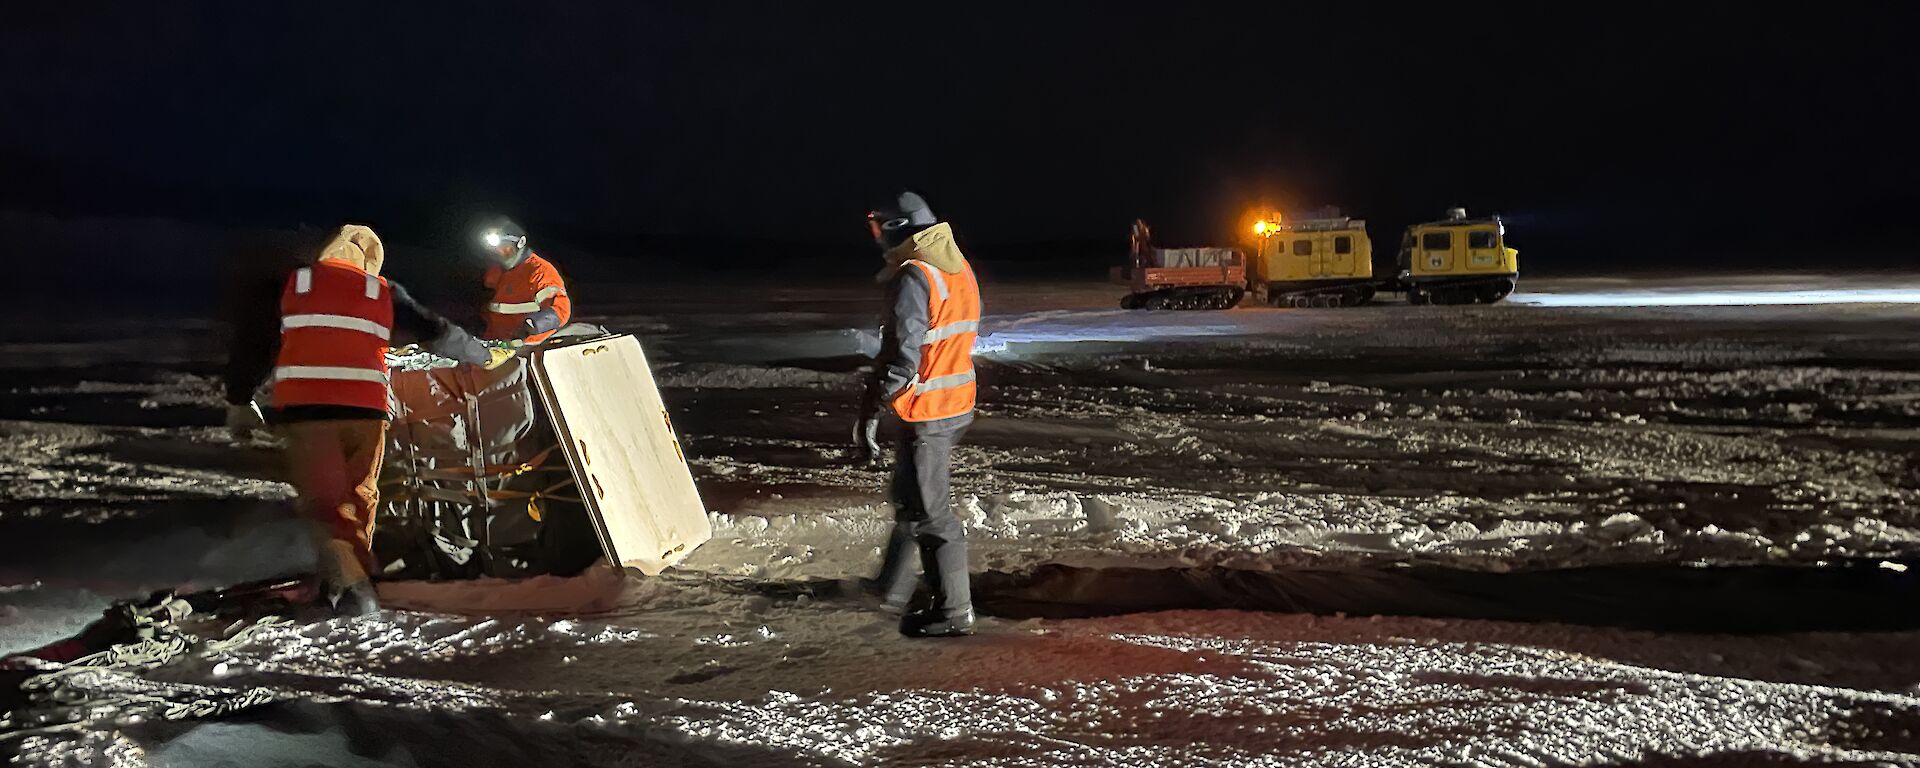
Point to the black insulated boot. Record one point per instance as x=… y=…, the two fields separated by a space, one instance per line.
x=933 y=622
x=873 y=593
x=357 y=600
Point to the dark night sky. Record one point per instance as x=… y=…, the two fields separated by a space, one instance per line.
x=1640 y=133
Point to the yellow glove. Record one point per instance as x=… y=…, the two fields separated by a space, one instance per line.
x=498 y=356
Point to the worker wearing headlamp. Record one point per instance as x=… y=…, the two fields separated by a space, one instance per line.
x=529 y=300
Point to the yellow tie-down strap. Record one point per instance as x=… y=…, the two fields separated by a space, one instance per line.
x=414 y=489
x=433 y=493
x=464 y=472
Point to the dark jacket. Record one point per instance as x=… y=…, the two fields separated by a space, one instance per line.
x=902 y=328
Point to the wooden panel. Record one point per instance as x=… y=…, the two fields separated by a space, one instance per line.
x=615 y=433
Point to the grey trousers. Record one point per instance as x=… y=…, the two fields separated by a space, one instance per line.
x=925 y=528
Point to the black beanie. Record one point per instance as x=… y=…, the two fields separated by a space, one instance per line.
x=909 y=215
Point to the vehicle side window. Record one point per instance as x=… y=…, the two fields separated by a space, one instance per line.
x=1481 y=239
x=1436 y=241
x=1303 y=247
x=1343 y=244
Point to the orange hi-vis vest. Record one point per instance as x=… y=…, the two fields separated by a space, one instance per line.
x=336 y=321
x=529 y=287
x=944 y=387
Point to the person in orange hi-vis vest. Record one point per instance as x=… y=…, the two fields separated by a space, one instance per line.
x=529 y=299
x=328 y=366
x=923 y=390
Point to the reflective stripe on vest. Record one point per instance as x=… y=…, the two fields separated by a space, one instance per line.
x=951 y=330
x=522 y=308
x=343 y=322
x=527 y=307
x=944 y=382
x=934 y=276
x=328 y=373
x=303 y=283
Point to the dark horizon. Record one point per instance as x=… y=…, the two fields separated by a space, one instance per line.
x=1710 y=138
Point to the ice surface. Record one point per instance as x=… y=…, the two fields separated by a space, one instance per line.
x=222 y=745
x=596 y=591
x=1489 y=440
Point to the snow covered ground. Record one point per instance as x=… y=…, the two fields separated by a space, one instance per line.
x=1569 y=458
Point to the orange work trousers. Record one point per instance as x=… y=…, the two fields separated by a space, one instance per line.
x=335 y=467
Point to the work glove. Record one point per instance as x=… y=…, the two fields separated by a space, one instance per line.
x=498 y=356
x=539 y=322
x=866 y=439
x=866 y=431
x=243 y=420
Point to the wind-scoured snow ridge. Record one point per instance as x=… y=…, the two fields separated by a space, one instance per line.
x=1851 y=596
x=832 y=535
x=725 y=376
